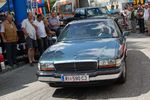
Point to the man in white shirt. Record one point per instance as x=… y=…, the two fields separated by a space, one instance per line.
x=29 y=30
x=41 y=34
x=146 y=13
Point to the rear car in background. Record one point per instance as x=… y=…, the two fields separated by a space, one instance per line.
x=88 y=52
x=84 y=13
x=87 y=12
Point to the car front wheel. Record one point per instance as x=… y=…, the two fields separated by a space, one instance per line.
x=122 y=78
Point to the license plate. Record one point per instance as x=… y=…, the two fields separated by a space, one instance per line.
x=75 y=78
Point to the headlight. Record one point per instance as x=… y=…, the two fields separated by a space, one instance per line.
x=109 y=63
x=46 y=66
x=118 y=62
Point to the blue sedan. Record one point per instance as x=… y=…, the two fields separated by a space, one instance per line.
x=88 y=51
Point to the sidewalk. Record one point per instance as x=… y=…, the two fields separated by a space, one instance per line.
x=7 y=68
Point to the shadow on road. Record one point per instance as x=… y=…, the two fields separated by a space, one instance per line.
x=138 y=74
x=17 y=79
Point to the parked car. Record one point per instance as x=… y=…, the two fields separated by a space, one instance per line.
x=85 y=12
x=88 y=51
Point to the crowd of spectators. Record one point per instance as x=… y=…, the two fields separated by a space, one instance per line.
x=137 y=17
x=39 y=33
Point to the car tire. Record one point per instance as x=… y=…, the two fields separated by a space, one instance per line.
x=52 y=85
x=122 y=78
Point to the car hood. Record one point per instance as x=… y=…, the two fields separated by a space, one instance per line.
x=82 y=50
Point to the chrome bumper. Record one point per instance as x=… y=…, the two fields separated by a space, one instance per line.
x=96 y=78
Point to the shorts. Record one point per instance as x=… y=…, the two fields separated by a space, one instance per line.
x=30 y=43
x=147 y=23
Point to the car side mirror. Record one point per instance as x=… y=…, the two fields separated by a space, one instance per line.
x=126 y=33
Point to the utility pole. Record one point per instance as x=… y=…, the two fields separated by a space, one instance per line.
x=48 y=3
x=8 y=4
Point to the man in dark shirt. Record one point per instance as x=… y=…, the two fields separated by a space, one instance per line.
x=140 y=16
x=55 y=24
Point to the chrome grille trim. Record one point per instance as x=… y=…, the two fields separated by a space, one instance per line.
x=78 y=65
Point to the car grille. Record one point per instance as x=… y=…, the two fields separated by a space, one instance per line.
x=77 y=66
x=85 y=66
x=65 y=67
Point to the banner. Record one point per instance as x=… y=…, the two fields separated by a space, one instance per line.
x=2 y=2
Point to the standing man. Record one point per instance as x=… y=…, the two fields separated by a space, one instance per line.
x=29 y=30
x=10 y=38
x=55 y=24
x=112 y=10
x=140 y=16
x=41 y=34
x=49 y=33
x=129 y=17
x=146 y=14
x=133 y=19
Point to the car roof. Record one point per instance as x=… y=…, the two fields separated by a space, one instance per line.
x=90 y=20
x=95 y=18
x=87 y=7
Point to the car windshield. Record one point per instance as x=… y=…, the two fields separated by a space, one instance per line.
x=93 y=12
x=89 y=30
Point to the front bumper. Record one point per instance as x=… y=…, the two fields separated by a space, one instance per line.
x=99 y=75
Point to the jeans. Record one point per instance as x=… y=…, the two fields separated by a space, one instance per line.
x=11 y=53
x=42 y=44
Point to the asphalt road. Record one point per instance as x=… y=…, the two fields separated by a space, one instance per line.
x=22 y=84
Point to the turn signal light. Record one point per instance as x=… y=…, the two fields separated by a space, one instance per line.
x=107 y=66
x=47 y=69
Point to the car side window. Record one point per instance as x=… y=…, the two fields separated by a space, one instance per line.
x=77 y=11
x=82 y=12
